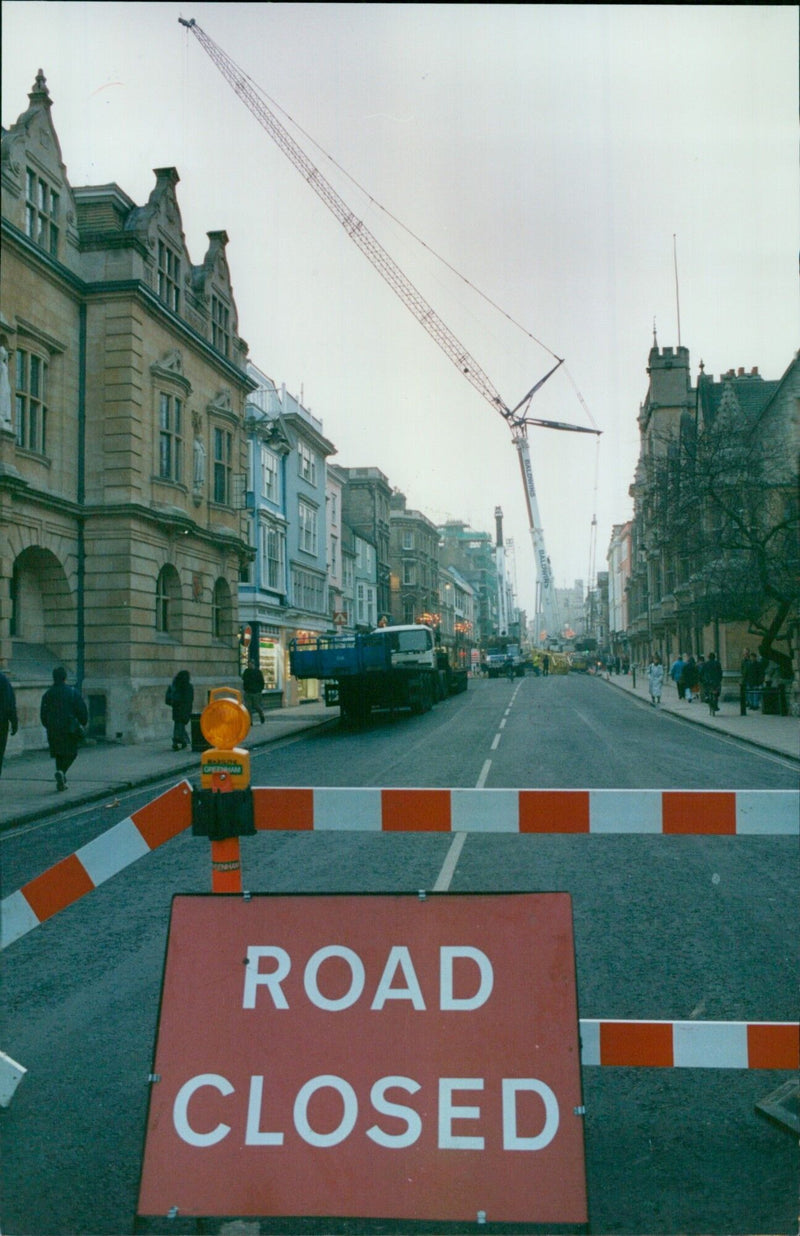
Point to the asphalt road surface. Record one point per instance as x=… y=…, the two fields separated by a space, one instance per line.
x=665 y=928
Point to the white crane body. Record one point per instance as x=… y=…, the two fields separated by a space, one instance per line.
x=411 y=298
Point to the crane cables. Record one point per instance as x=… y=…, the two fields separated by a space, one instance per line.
x=253 y=96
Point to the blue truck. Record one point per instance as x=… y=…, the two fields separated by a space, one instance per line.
x=398 y=667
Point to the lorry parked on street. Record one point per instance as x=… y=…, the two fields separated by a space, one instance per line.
x=505 y=660
x=390 y=667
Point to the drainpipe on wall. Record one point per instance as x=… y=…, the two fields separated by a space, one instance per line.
x=80 y=606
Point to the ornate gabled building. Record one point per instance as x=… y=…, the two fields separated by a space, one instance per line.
x=713 y=540
x=122 y=449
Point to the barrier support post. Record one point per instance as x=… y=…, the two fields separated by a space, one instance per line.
x=222 y=809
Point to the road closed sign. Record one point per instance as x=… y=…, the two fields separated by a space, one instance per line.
x=377 y=1057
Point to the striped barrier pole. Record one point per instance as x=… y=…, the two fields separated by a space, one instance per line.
x=596 y=812
x=755 y=813
x=690 y=1044
x=94 y=863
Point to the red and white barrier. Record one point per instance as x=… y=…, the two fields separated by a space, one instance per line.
x=95 y=862
x=667 y=812
x=11 y=1074
x=664 y=812
x=691 y=1044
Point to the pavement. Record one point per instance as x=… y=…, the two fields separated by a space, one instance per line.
x=105 y=769
x=781 y=735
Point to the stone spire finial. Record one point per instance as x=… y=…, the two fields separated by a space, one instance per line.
x=39 y=92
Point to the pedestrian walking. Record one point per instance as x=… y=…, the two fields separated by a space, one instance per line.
x=63 y=714
x=655 y=680
x=675 y=671
x=711 y=681
x=689 y=680
x=253 y=685
x=180 y=697
x=8 y=714
x=752 y=680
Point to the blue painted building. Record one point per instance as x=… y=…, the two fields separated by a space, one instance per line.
x=284 y=592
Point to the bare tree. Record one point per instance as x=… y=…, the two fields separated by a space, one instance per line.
x=723 y=511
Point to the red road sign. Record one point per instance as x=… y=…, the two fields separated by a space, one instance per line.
x=368 y=1056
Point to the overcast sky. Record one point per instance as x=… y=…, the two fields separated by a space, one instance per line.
x=549 y=153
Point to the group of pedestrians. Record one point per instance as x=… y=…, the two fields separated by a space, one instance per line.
x=180 y=698
x=694 y=679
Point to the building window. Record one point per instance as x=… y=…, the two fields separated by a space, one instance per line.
x=308 y=591
x=365 y=605
x=42 y=204
x=223 y=456
x=269 y=475
x=162 y=604
x=220 y=326
x=31 y=398
x=272 y=558
x=170 y=438
x=221 y=624
x=307 y=527
x=409 y=573
x=169 y=276
x=408 y=540
x=307 y=464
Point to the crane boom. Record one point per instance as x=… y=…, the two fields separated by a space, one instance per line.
x=355 y=227
x=385 y=265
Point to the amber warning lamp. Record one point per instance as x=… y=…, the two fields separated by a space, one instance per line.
x=225 y=722
x=222 y=809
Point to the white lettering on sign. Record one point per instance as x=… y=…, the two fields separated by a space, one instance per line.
x=395 y=1141
x=511 y=1139
x=449 y=1112
x=357 y=978
x=254 y=1135
x=399 y=961
x=399 y=957
x=180 y=1110
x=349 y=1112
x=253 y=977
x=447 y=1000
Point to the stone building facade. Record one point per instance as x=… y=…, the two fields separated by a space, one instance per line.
x=713 y=539
x=414 y=556
x=472 y=555
x=365 y=509
x=122 y=459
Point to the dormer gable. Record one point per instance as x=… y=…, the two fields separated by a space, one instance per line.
x=37 y=196
x=211 y=284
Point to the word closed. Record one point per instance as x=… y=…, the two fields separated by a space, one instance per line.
x=368 y=1056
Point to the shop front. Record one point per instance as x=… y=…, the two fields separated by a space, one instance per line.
x=261 y=644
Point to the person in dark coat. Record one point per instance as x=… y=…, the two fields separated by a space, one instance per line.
x=8 y=714
x=253 y=685
x=180 y=695
x=689 y=679
x=676 y=669
x=63 y=714
x=711 y=682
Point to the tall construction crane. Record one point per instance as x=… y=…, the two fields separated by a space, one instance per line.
x=517 y=417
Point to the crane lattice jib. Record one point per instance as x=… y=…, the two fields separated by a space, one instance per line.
x=355 y=228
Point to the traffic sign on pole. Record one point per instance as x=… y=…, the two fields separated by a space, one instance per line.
x=372 y=1056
